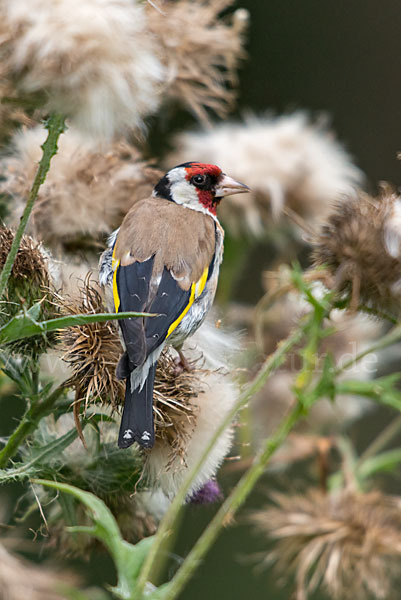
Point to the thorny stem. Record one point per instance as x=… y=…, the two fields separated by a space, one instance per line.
x=245 y=485
x=28 y=424
x=310 y=353
x=247 y=482
x=55 y=126
x=237 y=497
x=169 y=519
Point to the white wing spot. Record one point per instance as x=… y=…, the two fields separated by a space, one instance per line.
x=145 y=436
x=128 y=434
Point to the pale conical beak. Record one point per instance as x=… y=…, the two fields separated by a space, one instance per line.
x=227 y=186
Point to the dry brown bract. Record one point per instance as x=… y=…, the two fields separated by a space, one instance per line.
x=86 y=193
x=30 y=263
x=200 y=51
x=348 y=543
x=360 y=247
x=92 y=350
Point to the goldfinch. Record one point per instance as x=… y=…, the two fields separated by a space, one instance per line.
x=164 y=259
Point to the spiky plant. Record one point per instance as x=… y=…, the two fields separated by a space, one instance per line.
x=359 y=246
x=349 y=543
x=29 y=284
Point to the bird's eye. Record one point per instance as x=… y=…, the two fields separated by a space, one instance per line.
x=199 y=179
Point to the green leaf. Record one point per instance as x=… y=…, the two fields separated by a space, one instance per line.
x=128 y=558
x=322 y=304
x=17 y=369
x=25 y=324
x=36 y=458
x=385 y=461
x=382 y=390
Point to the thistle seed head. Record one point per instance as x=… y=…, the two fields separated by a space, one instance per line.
x=346 y=542
x=29 y=284
x=200 y=51
x=360 y=247
x=289 y=162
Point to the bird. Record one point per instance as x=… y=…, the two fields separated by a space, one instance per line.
x=164 y=259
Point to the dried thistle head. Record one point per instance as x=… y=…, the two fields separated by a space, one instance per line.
x=29 y=283
x=175 y=405
x=20 y=580
x=211 y=352
x=94 y=59
x=86 y=193
x=92 y=350
x=200 y=51
x=346 y=542
x=360 y=246
x=289 y=162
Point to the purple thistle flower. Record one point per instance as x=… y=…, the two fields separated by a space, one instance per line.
x=210 y=492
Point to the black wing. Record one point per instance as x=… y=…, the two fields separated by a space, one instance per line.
x=131 y=293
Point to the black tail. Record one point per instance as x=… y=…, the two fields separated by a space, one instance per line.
x=137 y=420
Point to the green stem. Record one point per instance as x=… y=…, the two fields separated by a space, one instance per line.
x=390 y=338
x=232 y=503
x=381 y=441
x=167 y=524
x=313 y=327
x=28 y=424
x=55 y=126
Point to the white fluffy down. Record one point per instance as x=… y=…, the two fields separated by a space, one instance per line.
x=285 y=160
x=95 y=58
x=218 y=397
x=392 y=229
x=85 y=191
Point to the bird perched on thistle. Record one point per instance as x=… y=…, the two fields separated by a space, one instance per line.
x=164 y=259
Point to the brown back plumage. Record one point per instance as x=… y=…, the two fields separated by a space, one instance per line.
x=170 y=232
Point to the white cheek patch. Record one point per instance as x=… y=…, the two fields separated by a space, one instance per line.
x=184 y=193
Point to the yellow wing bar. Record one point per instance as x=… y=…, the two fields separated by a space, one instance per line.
x=196 y=290
x=114 y=265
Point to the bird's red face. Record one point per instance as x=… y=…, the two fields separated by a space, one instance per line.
x=198 y=185
x=204 y=178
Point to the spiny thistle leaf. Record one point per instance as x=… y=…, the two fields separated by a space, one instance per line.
x=128 y=558
x=35 y=460
x=25 y=324
x=18 y=371
x=382 y=390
